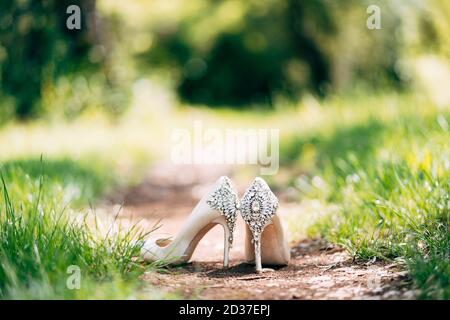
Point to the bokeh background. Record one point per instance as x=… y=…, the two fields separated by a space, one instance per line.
x=236 y=54
x=363 y=116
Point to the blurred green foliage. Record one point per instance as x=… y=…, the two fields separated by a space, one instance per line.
x=37 y=47
x=39 y=54
x=232 y=52
x=248 y=64
x=245 y=52
x=275 y=47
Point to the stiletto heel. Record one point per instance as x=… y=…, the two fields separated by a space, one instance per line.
x=257 y=245
x=219 y=206
x=226 y=246
x=228 y=238
x=266 y=241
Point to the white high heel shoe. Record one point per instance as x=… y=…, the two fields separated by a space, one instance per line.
x=266 y=241
x=218 y=206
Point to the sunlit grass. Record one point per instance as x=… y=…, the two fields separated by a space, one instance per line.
x=77 y=182
x=41 y=237
x=382 y=189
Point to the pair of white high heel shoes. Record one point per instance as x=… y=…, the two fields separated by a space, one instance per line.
x=266 y=241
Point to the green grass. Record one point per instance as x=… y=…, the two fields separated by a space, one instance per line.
x=388 y=182
x=40 y=238
x=78 y=182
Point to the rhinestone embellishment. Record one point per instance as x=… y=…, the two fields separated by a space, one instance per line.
x=225 y=200
x=258 y=205
x=255 y=206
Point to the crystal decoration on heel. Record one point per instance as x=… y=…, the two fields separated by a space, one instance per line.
x=258 y=205
x=225 y=200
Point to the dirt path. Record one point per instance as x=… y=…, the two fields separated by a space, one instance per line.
x=317 y=270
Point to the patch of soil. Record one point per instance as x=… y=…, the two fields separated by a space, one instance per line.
x=316 y=271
